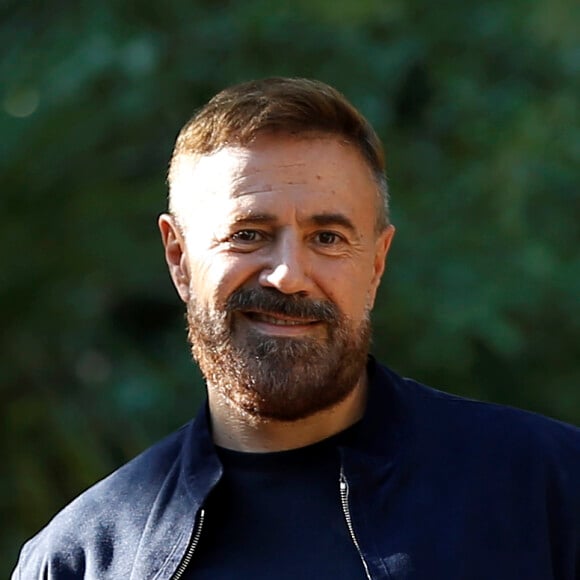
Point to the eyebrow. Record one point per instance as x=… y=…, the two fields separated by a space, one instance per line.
x=333 y=219
x=252 y=218
x=321 y=219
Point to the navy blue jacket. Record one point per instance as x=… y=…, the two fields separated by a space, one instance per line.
x=439 y=488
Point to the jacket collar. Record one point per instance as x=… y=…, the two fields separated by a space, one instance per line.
x=172 y=520
x=384 y=430
x=201 y=468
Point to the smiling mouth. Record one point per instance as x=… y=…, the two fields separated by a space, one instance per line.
x=278 y=319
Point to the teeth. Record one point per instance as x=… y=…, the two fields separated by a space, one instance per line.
x=280 y=321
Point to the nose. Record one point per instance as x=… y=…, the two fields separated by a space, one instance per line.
x=286 y=270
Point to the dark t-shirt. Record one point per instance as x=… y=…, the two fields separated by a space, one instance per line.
x=277 y=515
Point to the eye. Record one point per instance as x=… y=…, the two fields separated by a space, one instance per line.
x=246 y=240
x=247 y=236
x=328 y=238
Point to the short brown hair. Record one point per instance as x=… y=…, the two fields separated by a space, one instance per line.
x=289 y=106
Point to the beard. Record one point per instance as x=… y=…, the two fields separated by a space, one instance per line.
x=274 y=377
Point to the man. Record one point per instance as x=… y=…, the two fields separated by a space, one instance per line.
x=310 y=459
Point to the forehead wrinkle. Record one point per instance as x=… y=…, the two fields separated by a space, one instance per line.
x=286 y=165
x=263 y=189
x=238 y=188
x=249 y=172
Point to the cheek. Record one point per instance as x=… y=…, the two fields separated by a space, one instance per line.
x=350 y=289
x=203 y=280
x=215 y=277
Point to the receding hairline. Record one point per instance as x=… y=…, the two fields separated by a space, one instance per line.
x=277 y=135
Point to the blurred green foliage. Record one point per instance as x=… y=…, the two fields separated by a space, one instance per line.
x=477 y=104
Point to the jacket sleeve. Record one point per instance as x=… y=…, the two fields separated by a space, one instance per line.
x=36 y=562
x=16 y=573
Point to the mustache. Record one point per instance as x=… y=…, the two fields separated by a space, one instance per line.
x=270 y=300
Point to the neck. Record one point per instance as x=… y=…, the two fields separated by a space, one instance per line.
x=234 y=429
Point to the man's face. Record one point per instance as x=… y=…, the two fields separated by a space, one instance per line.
x=278 y=262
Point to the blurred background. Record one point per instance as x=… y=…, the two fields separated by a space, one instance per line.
x=478 y=107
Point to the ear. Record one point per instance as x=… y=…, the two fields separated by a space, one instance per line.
x=382 y=246
x=175 y=254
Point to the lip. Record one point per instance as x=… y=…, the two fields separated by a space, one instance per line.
x=274 y=323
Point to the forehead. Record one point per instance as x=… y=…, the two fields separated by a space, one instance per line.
x=273 y=171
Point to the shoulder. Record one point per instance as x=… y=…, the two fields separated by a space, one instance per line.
x=491 y=420
x=489 y=475
x=117 y=506
x=505 y=465
x=485 y=432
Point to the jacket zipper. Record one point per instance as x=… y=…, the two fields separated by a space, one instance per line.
x=344 y=490
x=191 y=548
